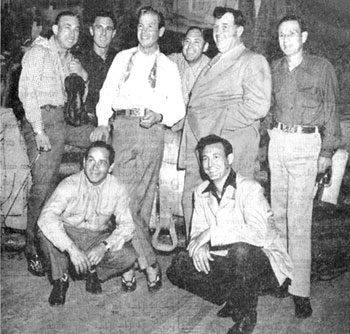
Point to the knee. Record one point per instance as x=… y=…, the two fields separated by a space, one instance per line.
x=240 y=251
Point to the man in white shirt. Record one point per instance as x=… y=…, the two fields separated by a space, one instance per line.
x=141 y=95
x=235 y=250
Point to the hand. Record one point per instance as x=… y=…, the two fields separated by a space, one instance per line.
x=75 y=67
x=42 y=142
x=198 y=242
x=323 y=164
x=150 y=119
x=100 y=133
x=96 y=254
x=202 y=258
x=118 y=244
x=79 y=259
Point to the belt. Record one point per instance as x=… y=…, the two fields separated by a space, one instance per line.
x=297 y=128
x=48 y=107
x=133 y=112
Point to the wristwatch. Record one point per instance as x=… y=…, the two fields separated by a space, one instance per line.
x=108 y=247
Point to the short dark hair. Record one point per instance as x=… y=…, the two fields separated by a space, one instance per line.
x=213 y=139
x=101 y=144
x=151 y=10
x=201 y=30
x=65 y=13
x=292 y=17
x=219 y=12
x=103 y=13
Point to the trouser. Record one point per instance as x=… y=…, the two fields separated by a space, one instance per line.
x=245 y=144
x=46 y=167
x=139 y=154
x=113 y=263
x=293 y=164
x=237 y=277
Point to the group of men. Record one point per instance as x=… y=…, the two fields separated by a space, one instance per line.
x=99 y=222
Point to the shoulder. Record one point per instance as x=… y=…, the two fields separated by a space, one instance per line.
x=277 y=64
x=247 y=185
x=115 y=184
x=166 y=61
x=69 y=184
x=36 y=52
x=317 y=62
x=199 y=190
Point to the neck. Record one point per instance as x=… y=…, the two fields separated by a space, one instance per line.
x=102 y=52
x=219 y=184
x=59 y=48
x=149 y=51
x=294 y=60
x=196 y=63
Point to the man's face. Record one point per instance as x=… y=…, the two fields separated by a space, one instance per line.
x=148 y=31
x=96 y=165
x=67 y=32
x=193 y=46
x=290 y=38
x=215 y=162
x=225 y=33
x=102 y=31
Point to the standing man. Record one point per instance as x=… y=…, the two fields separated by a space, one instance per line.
x=235 y=250
x=302 y=142
x=42 y=92
x=75 y=225
x=99 y=58
x=192 y=59
x=229 y=98
x=141 y=94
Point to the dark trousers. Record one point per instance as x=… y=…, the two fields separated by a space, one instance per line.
x=113 y=263
x=237 y=277
x=46 y=167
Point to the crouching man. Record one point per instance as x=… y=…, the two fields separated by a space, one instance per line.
x=234 y=250
x=87 y=221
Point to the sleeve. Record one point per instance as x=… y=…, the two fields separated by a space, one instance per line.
x=50 y=221
x=256 y=85
x=199 y=222
x=331 y=127
x=32 y=69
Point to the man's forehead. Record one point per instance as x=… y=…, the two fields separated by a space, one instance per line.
x=99 y=152
x=152 y=16
x=105 y=21
x=226 y=18
x=291 y=25
x=214 y=148
x=69 y=20
x=194 y=33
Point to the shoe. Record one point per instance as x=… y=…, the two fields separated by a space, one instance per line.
x=129 y=286
x=229 y=311
x=58 y=293
x=93 y=284
x=155 y=285
x=282 y=291
x=303 y=308
x=35 y=266
x=246 y=325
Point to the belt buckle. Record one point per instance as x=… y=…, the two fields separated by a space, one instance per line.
x=288 y=128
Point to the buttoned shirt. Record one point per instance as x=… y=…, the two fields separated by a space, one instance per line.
x=135 y=92
x=188 y=73
x=241 y=214
x=44 y=69
x=78 y=203
x=307 y=95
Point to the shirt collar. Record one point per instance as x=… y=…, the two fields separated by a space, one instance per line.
x=230 y=181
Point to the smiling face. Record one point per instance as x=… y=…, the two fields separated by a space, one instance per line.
x=148 y=32
x=66 y=32
x=225 y=33
x=290 y=38
x=102 y=31
x=193 y=46
x=97 y=165
x=215 y=162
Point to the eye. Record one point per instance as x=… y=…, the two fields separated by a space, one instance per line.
x=109 y=29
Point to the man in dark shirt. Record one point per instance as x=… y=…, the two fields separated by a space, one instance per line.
x=305 y=135
x=98 y=59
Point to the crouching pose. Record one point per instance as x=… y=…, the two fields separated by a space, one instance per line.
x=235 y=249
x=87 y=221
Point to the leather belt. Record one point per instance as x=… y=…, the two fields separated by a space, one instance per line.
x=133 y=112
x=48 y=107
x=297 y=128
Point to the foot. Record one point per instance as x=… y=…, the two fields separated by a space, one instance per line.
x=58 y=293
x=246 y=325
x=282 y=291
x=229 y=310
x=303 y=308
x=129 y=281
x=93 y=284
x=35 y=265
x=154 y=277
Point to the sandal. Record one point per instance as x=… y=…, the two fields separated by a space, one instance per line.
x=129 y=286
x=155 y=285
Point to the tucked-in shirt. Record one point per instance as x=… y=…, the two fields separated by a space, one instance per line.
x=44 y=70
x=78 y=203
x=307 y=95
x=97 y=69
x=188 y=73
x=242 y=214
x=135 y=92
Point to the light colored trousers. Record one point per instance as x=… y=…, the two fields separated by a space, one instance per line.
x=293 y=164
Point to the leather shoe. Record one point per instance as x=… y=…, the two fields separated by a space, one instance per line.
x=155 y=285
x=246 y=325
x=93 y=284
x=229 y=310
x=303 y=308
x=129 y=286
x=35 y=266
x=58 y=293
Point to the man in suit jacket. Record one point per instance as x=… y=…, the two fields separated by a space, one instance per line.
x=229 y=98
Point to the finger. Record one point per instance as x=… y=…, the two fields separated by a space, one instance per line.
x=206 y=265
x=196 y=265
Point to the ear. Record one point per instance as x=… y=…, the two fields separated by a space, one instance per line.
x=84 y=163
x=91 y=31
x=55 y=29
x=206 y=46
x=230 y=158
x=304 y=36
x=114 y=32
x=240 y=30
x=111 y=168
x=161 y=31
